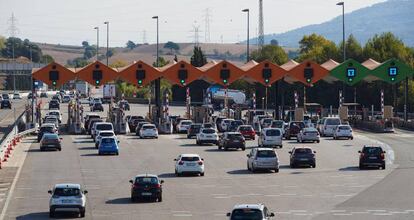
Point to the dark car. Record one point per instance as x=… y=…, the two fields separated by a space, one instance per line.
x=124 y=105
x=5 y=96
x=231 y=140
x=50 y=141
x=88 y=118
x=247 y=131
x=134 y=123
x=235 y=124
x=372 y=156
x=56 y=97
x=54 y=104
x=146 y=187
x=5 y=104
x=293 y=129
x=45 y=129
x=139 y=126
x=43 y=95
x=97 y=107
x=91 y=122
x=302 y=156
x=193 y=130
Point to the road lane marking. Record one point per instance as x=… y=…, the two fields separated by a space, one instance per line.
x=342 y=214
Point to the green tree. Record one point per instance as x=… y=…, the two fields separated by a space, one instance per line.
x=317 y=48
x=353 y=49
x=130 y=45
x=172 y=46
x=198 y=59
x=274 y=42
x=85 y=44
x=23 y=48
x=47 y=58
x=2 y=42
x=161 y=62
x=110 y=53
x=77 y=62
x=272 y=53
x=386 y=46
x=118 y=64
x=90 y=51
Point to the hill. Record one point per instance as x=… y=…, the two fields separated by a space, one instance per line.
x=394 y=16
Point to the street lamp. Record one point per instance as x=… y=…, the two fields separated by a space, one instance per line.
x=343 y=39
x=157 y=81
x=107 y=42
x=248 y=30
x=97 y=42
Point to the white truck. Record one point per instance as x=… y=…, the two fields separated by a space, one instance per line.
x=109 y=91
x=82 y=88
x=237 y=96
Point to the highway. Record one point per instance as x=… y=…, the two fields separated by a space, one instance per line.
x=335 y=189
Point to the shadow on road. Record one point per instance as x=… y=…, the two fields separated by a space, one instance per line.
x=83 y=142
x=119 y=201
x=45 y=215
x=33 y=150
x=91 y=155
x=356 y=168
x=167 y=175
x=86 y=148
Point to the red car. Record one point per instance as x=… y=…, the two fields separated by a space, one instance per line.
x=247 y=131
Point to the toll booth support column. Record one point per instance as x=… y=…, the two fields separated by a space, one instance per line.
x=157 y=98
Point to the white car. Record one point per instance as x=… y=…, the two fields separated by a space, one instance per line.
x=101 y=134
x=67 y=197
x=266 y=122
x=148 y=130
x=55 y=113
x=262 y=159
x=308 y=134
x=226 y=123
x=343 y=131
x=327 y=126
x=189 y=163
x=183 y=126
x=17 y=96
x=250 y=211
x=207 y=135
x=270 y=137
x=101 y=126
x=66 y=99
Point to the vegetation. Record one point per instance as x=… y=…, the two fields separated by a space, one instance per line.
x=130 y=45
x=198 y=59
x=172 y=46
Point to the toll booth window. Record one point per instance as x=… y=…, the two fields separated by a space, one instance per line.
x=351 y=72
x=53 y=75
x=392 y=71
x=97 y=74
x=140 y=74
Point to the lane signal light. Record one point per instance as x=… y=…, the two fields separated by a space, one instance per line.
x=182 y=75
x=308 y=74
x=393 y=72
x=54 y=77
x=225 y=75
x=97 y=76
x=140 y=76
x=267 y=74
x=351 y=73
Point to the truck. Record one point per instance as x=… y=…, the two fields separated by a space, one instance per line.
x=82 y=88
x=109 y=91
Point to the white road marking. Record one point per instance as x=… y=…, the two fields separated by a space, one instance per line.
x=3 y=189
x=338 y=211
x=387 y=214
x=342 y=214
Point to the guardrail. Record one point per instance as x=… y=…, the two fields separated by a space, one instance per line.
x=12 y=139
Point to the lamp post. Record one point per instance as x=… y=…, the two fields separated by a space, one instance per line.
x=343 y=39
x=97 y=42
x=157 y=81
x=107 y=42
x=248 y=33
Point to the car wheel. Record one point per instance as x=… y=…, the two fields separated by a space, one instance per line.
x=243 y=148
x=352 y=138
x=277 y=170
x=281 y=146
x=219 y=147
x=59 y=149
x=314 y=165
x=82 y=213
x=160 y=198
x=248 y=167
x=383 y=167
x=253 y=169
x=225 y=148
x=297 y=140
x=202 y=174
x=41 y=149
x=318 y=142
x=288 y=137
x=361 y=167
x=292 y=165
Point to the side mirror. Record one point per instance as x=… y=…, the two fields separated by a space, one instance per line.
x=175 y=159
x=50 y=191
x=228 y=214
x=131 y=181
x=290 y=152
x=202 y=159
x=85 y=192
x=272 y=214
x=247 y=155
x=359 y=151
x=118 y=142
x=162 y=181
x=314 y=152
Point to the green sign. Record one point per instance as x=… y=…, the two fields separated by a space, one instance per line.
x=351 y=72
x=392 y=71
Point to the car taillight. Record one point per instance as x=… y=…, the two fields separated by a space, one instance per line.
x=362 y=155
x=200 y=163
x=157 y=186
x=180 y=163
x=136 y=186
x=382 y=156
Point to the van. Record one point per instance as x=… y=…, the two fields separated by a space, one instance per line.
x=101 y=126
x=328 y=125
x=270 y=137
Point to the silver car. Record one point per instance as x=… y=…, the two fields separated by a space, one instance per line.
x=308 y=134
x=263 y=159
x=67 y=197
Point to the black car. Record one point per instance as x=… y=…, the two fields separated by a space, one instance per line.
x=54 y=104
x=235 y=124
x=30 y=96
x=372 y=156
x=146 y=187
x=91 y=122
x=43 y=95
x=45 y=129
x=134 y=123
x=88 y=118
x=293 y=129
x=193 y=130
x=232 y=140
x=56 y=97
x=302 y=156
x=50 y=141
x=97 y=107
x=139 y=126
x=5 y=104
x=124 y=105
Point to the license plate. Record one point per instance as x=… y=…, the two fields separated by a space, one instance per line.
x=146 y=194
x=66 y=201
x=236 y=141
x=372 y=157
x=303 y=159
x=190 y=164
x=209 y=136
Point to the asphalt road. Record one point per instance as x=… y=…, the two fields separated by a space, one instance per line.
x=334 y=189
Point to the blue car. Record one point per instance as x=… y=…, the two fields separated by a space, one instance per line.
x=108 y=145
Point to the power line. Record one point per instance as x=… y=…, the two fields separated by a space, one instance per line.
x=196 y=37
x=207 y=20
x=261 y=25
x=13 y=31
x=144 y=37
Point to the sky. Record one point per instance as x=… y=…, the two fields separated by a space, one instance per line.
x=70 y=22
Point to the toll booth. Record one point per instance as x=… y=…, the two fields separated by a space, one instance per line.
x=299 y=114
x=117 y=117
x=343 y=113
x=201 y=114
x=75 y=124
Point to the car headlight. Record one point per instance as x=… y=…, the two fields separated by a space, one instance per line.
x=201 y=135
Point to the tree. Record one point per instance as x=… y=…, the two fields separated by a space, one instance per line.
x=47 y=58
x=110 y=53
x=118 y=64
x=385 y=46
x=198 y=59
x=2 y=42
x=23 y=48
x=272 y=53
x=274 y=42
x=172 y=46
x=353 y=49
x=161 y=62
x=77 y=62
x=89 y=52
x=317 y=48
x=131 y=45
x=85 y=44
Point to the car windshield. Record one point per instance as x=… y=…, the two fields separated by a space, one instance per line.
x=148 y=127
x=54 y=113
x=245 y=128
x=333 y=121
x=208 y=125
x=104 y=127
x=297 y=124
x=108 y=140
x=234 y=136
x=146 y=180
x=246 y=214
x=273 y=132
x=50 y=136
x=277 y=124
x=267 y=120
x=344 y=128
x=66 y=192
x=46 y=129
x=236 y=123
x=372 y=150
x=190 y=158
x=186 y=123
x=209 y=131
x=303 y=151
x=266 y=153
x=106 y=134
